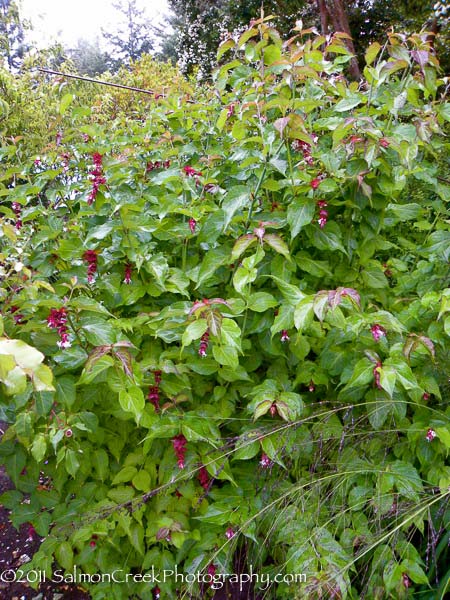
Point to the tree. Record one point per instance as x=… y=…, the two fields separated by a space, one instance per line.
x=200 y=24
x=88 y=58
x=133 y=36
x=12 y=46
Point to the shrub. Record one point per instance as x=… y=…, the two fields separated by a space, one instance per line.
x=247 y=320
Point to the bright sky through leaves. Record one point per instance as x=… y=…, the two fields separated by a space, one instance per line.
x=65 y=22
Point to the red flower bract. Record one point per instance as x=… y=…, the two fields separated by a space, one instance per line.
x=128 y=270
x=97 y=177
x=204 y=478
x=179 y=445
x=57 y=319
x=377 y=332
x=90 y=256
x=203 y=344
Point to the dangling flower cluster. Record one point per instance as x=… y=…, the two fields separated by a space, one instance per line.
x=31 y=533
x=265 y=461
x=285 y=336
x=323 y=214
x=65 y=157
x=18 y=317
x=211 y=572
x=128 y=271
x=377 y=332
x=204 y=342
x=153 y=392
x=97 y=177
x=431 y=434
x=204 y=478
x=57 y=319
x=376 y=375
x=191 y=172
x=156 y=593
x=300 y=145
x=179 y=445
x=192 y=225
x=158 y=164
x=90 y=256
x=17 y=208
x=211 y=188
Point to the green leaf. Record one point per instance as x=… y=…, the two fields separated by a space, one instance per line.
x=66 y=101
x=132 y=400
x=124 y=475
x=39 y=447
x=362 y=373
x=194 y=331
x=372 y=52
x=299 y=214
x=261 y=301
x=275 y=242
x=100 y=462
x=347 y=103
x=210 y=264
x=72 y=463
x=65 y=390
x=443 y=434
x=388 y=377
x=142 y=481
x=64 y=555
x=235 y=200
x=226 y=355
x=24 y=355
x=304 y=313
x=97 y=331
x=242 y=244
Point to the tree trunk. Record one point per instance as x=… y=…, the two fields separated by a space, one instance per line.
x=333 y=11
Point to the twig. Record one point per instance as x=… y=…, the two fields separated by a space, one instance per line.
x=90 y=80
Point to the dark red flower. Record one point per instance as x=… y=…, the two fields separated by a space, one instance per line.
x=311 y=386
x=384 y=142
x=212 y=570
x=431 y=434
x=377 y=332
x=203 y=344
x=153 y=396
x=426 y=396
x=376 y=375
x=265 y=461
x=179 y=445
x=273 y=409
x=156 y=593
x=157 y=375
x=229 y=533
x=191 y=172
x=97 y=177
x=314 y=183
x=90 y=256
x=285 y=336
x=57 y=319
x=31 y=533
x=128 y=270
x=406 y=580
x=204 y=478
x=18 y=317
x=192 y=225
